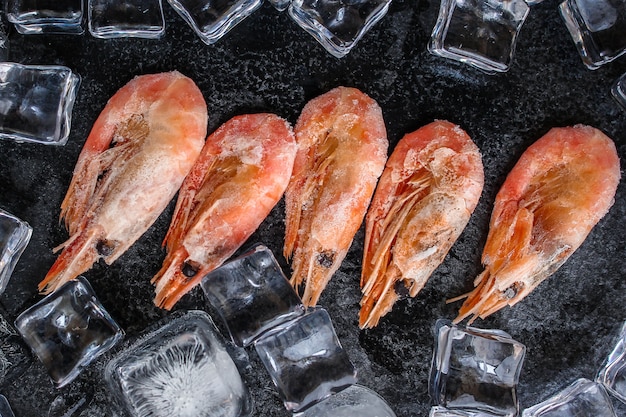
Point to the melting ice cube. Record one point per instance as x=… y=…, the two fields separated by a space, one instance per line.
x=68 y=329
x=475 y=369
x=252 y=295
x=581 y=398
x=136 y=18
x=182 y=369
x=36 y=102
x=46 y=16
x=306 y=360
x=598 y=28
x=613 y=373
x=354 y=401
x=14 y=237
x=481 y=33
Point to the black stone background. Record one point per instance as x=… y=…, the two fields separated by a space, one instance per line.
x=267 y=63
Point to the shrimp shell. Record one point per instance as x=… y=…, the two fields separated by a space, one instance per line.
x=241 y=174
x=430 y=187
x=342 y=148
x=557 y=192
x=139 y=150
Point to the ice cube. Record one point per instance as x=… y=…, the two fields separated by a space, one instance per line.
x=14 y=237
x=212 y=19
x=475 y=369
x=613 y=372
x=444 y=412
x=618 y=90
x=252 y=295
x=481 y=33
x=305 y=360
x=68 y=329
x=182 y=369
x=36 y=102
x=598 y=28
x=354 y=401
x=337 y=24
x=5 y=408
x=136 y=18
x=582 y=398
x=46 y=16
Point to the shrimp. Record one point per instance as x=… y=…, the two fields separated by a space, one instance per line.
x=240 y=176
x=342 y=149
x=429 y=189
x=139 y=150
x=557 y=192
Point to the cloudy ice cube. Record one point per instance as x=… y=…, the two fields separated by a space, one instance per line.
x=182 y=369
x=354 y=401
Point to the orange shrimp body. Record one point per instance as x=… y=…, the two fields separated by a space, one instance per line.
x=560 y=188
x=342 y=148
x=139 y=150
x=241 y=174
x=429 y=189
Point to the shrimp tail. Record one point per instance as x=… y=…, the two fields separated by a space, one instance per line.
x=378 y=300
x=79 y=254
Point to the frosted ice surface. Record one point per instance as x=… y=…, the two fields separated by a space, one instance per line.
x=338 y=25
x=306 y=360
x=36 y=102
x=14 y=237
x=597 y=14
x=354 y=401
x=613 y=372
x=475 y=369
x=181 y=369
x=581 y=398
x=68 y=329
x=252 y=295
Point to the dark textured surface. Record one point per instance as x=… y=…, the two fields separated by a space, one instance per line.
x=267 y=63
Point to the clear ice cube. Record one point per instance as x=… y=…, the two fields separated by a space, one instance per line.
x=481 y=33
x=46 y=16
x=618 y=90
x=212 y=19
x=36 y=102
x=598 y=28
x=437 y=411
x=354 y=401
x=5 y=408
x=252 y=295
x=68 y=329
x=337 y=24
x=305 y=360
x=582 y=398
x=613 y=372
x=129 y=18
x=182 y=369
x=14 y=237
x=475 y=369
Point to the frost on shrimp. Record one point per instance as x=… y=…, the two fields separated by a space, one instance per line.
x=558 y=191
x=138 y=152
x=430 y=187
x=342 y=148
x=241 y=174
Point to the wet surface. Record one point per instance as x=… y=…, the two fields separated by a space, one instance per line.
x=269 y=64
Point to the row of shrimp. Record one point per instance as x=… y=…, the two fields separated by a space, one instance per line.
x=334 y=171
